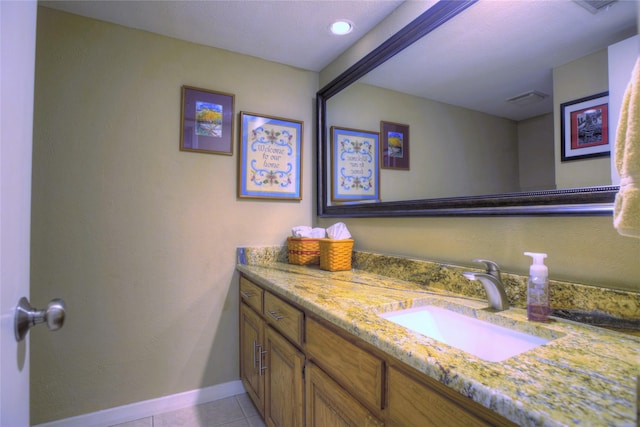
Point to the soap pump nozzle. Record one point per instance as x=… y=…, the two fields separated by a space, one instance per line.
x=538 y=269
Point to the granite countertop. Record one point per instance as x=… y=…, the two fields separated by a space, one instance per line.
x=585 y=376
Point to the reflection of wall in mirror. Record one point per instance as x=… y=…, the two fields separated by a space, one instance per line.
x=455 y=152
x=578 y=79
x=458 y=152
x=535 y=153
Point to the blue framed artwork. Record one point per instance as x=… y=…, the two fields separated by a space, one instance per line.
x=354 y=165
x=270 y=157
x=206 y=122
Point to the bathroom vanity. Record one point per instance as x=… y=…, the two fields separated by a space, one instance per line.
x=315 y=350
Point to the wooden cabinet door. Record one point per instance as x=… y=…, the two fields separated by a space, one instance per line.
x=329 y=405
x=357 y=370
x=412 y=403
x=251 y=355
x=284 y=387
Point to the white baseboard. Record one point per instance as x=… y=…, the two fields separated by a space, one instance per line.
x=147 y=408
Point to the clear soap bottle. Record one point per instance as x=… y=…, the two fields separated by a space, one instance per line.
x=538 y=308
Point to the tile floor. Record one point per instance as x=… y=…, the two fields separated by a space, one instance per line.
x=234 y=411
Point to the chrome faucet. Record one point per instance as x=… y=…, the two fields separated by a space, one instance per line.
x=492 y=284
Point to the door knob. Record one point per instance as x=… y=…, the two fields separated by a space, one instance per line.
x=26 y=316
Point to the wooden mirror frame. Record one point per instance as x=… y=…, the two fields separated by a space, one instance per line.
x=590 y=201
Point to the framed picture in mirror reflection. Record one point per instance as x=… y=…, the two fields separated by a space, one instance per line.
x=394 y=145
x=585 y=127
x=354 y=165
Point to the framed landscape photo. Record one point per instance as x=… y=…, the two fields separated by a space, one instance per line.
x=354 y=165
x=270 y=160
x=394 y=145
x=585 y=127
x=206 y=121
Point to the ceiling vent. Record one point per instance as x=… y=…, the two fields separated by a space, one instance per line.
x=595 y=6
x=527 y=98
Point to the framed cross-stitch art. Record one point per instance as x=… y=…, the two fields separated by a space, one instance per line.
x=354 y=165
x=270 y=161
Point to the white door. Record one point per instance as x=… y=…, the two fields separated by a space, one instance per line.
x=17 y=69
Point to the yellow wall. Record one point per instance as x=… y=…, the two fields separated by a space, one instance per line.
x=138 y=237
x=581 y=249
x=536 y=153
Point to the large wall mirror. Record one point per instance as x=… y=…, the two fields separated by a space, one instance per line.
x=448 y=76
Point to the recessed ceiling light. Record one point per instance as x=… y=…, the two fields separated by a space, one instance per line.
x=341 y=27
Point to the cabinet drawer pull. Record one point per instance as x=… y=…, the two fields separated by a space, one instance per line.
x=261 y=353
x=276 y=316
x=246 y=294
x=256 y=347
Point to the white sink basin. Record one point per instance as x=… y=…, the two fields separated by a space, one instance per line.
x=483 y=339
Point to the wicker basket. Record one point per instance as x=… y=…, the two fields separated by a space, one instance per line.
x=303 y=251
x=335 y=255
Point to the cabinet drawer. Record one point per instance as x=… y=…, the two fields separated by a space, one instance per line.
x=354 y=368
x=251 y=294
x=288 y=320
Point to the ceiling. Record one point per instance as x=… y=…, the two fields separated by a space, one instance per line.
x=497 y=50
x=494 y=50
x=292 y=32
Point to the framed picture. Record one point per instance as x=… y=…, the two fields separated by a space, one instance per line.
x=354 y=165
x=206 y=121
x=394 y=145
x=585 y=127
x=270 y=157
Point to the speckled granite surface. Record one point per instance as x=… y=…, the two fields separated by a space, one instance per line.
x=614 y=309
x=584 y=376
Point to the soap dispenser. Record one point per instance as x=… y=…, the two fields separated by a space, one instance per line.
x=538 y=307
